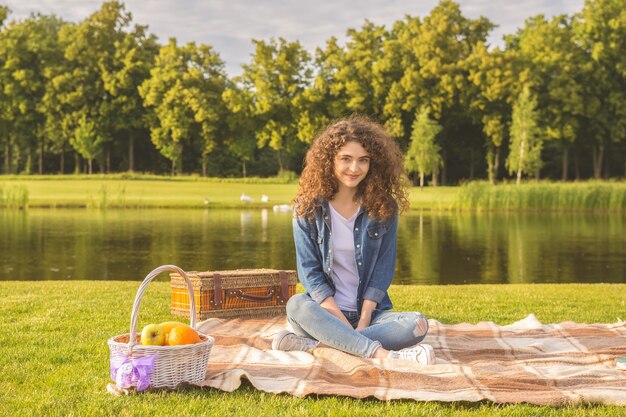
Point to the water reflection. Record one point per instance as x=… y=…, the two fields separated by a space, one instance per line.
x=433 y=248
x=511 y=248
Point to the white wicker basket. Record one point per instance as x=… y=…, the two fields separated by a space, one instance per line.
x=173 y=364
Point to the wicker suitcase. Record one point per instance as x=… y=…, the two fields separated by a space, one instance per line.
x=241 y=293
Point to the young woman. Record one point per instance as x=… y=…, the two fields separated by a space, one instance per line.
x=345 y=228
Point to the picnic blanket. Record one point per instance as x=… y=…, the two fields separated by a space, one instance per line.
x=527 y=361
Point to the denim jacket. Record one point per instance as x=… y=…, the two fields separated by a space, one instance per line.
x=375 y=255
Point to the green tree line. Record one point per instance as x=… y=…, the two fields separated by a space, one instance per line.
x=103 y=95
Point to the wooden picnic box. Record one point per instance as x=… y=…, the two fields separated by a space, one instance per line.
x=240 y=293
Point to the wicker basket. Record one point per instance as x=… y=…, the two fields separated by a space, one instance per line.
x=238 y=293
x=173 y=365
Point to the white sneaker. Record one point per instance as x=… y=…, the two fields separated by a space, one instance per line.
x=421 y=353
x=288 y=341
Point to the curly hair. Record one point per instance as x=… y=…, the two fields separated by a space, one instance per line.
x=383 y=190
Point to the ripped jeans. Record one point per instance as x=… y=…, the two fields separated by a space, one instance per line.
x=392 y=331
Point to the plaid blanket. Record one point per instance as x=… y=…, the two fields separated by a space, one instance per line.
x=547 y=364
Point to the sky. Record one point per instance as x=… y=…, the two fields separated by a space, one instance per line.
x=230 y=25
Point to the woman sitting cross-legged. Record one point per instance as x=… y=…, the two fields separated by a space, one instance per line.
x=345 y=229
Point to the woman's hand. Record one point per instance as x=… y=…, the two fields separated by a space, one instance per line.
x=330 y=305
x=366 y=314
x=363 y=324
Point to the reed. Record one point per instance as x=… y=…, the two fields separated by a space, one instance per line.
x=593 y=196
x=14 y=197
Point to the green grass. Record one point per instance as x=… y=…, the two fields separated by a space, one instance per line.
x=139 y=191
x=54 y=355
x=144 y=191
x=433 y=198
x=596 y=196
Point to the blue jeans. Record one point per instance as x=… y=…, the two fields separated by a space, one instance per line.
x=392 y=331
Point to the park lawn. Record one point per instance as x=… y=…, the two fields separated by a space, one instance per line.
x=54 y=355
x=157 y=191
x=433 y=198
x=119 y=192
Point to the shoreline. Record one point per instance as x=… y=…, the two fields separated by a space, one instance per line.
x=126 y=191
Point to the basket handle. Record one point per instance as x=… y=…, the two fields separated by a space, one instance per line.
x=237 y=293
x=142 y=288
x=281 y=297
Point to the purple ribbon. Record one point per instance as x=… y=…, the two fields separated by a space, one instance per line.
x=132 y=372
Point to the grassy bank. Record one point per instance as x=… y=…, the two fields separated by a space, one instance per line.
x=145 y=191
x=54 y=356
x=119 y=191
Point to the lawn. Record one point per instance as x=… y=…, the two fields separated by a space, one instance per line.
x=54 y=355
x=139 y=190
x=114 y=191
x=157 y=191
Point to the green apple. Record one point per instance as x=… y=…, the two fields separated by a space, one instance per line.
x=153 y=335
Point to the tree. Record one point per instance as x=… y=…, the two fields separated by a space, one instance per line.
x=423 y=155
x=133 y=58
x=494 y=76
x=184 y=92
x=240 y=139
x=325 y=98
x=525 y=153
x=29 y=48
x=552 y=60
x=361 y=74
x=54 y=108
x=5 y=136
x=432 y=54
x=351 y=79
x=272 y=86
x=600 y=28
x=4 y=13
x=90 y=49
x=86 y=141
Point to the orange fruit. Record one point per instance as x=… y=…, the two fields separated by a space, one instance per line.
x=167 y=328
x=183 y=335
x=169 y=325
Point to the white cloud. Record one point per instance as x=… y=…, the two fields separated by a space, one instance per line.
x=230 y=25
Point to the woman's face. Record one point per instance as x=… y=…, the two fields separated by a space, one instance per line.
x=352 y=163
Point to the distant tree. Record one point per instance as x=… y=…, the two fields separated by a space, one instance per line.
x=6 y=138
x=130 y=66
x=90 y=49
x=431 y=53
x=553 y=63
x=362 y=74
x=269 y=91
x=423 y=155
x=30 y=47
x=525 y=153
x=240 y=139
x=4 y=13
x=354 y=78
x=184 y=92
x=600 y=28
x=324 y=99
x=494 y=76
x=86 y=141
x=58 y=128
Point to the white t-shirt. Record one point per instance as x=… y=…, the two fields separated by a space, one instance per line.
x=344 y=272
